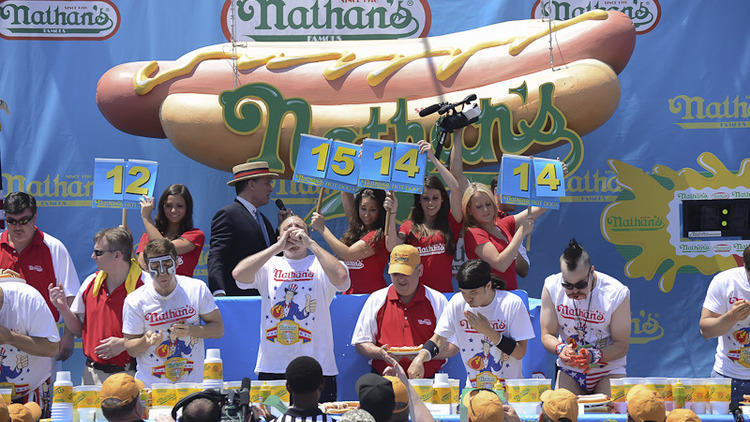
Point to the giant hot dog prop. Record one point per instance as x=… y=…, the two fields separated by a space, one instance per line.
x=357 y=89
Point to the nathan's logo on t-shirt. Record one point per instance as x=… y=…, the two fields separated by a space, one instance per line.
x=498 y=326
x=733 y=299
x=593 y=316
x=436 y=249
x=280 y=275
x=37 y=268
x=170 y=315
x=354 y=265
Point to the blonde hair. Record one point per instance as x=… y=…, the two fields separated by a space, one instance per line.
x=475 y=188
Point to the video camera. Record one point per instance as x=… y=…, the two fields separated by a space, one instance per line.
x=234 y=405
x=452 y=119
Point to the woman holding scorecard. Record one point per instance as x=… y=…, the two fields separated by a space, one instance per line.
x=491 y=239
x=434 y=227
x=362 y=246
x=174 y=221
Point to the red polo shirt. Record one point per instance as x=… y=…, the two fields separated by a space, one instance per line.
x=44 y=261
x=475 y=236
x=386 y=320
x=102 y=318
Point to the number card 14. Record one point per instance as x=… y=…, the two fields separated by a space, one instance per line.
x=119 y=183
x=531 y=181
x=396 y=166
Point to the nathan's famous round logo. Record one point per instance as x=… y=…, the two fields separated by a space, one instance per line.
x=645 y=14
x=324 y=20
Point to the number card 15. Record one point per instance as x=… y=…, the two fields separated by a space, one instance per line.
x=393 y=166
x=322 y=162
x=531 y=181
x=119 y=183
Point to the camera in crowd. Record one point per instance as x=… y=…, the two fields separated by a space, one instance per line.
x=452 y=119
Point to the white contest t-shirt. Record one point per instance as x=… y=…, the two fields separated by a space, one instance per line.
x=175 y=359
x=24 y=311
x=733 y=349
x=485 y=363
x=295 y=317
x=587 y=321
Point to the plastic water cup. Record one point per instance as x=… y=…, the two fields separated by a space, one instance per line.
x=7 y=394
x=719 y=390
x=157 y=411
x=543 y=385
x=86 y=397
x=423 y=387
x=163 y=394
x=617 y=387
x=232 y=385
x=86 y=414
x=628 y=383
x=455 y=394
x=523 y=390
x=657 y=384
x=696 y=394
x=182 y=389
x=719 y=407
x=255 y=396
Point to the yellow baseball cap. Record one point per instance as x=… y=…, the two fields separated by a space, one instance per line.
x=404 y=259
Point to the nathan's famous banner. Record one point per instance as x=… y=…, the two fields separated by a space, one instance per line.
x=645 y=101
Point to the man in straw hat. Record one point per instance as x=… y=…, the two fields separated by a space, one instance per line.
x=309 y=281
x=239 y=229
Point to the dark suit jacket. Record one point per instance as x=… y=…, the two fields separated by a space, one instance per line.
x=235 y=235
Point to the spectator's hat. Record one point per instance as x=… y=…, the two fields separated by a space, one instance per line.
x=357 y=415
x=401 y=396
x=682 y=415
x=376 y=396
x=119 y=390
x=645 y=405
x=251 y=170
x=483 y=406
x=404 y=259
x=560 y=403
x=29 y=412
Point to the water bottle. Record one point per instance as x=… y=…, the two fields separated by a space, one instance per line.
x=213 y=376
x=441 y=396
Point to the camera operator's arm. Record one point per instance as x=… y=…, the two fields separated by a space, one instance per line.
x=450 y=181
x=457 y=160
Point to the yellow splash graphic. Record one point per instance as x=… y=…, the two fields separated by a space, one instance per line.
x=648 y=218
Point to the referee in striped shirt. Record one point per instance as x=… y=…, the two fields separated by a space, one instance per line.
x=304 y=380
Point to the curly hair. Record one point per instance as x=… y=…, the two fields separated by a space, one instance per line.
x=420 y=229
x=357 y=229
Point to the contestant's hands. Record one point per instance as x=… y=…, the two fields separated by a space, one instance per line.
x=564 y=167
x=283 y=242
x=416 y=369
x=318 y=222
x=147 y=206
x=567 y=355
x=57 y=296
x=480 y=323
x=299 y=237
x=740 y=310
x=181 y=330
x=110 y=347
x=390 y=203
x=153 y=338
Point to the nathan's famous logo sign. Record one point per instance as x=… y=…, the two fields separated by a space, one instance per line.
x=700 y=113
x=644 y=329
x=645 y=14
x=58 y=20
x=324 y=20
x=646 y=220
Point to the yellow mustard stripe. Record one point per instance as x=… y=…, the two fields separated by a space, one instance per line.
x=148 y=76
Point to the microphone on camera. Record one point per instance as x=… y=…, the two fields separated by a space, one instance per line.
x=280 y=205
x=430 y=109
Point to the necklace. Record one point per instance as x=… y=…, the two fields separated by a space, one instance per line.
x=582 y=322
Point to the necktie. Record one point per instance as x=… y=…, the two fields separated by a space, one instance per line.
x=262 y=224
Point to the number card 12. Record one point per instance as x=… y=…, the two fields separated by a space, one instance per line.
x=120 y=184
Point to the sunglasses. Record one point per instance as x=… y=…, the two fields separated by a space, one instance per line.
x=579 y=285
x=99 y=252
x=21 y=221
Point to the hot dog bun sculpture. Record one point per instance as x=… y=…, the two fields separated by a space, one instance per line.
x=220 y=118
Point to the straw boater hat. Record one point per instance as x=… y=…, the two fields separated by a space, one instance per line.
x=251 y=170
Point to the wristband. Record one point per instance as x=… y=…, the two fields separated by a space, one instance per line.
x=431 y=348
x=596 y=355
x=506 y=344
x=559 y=348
